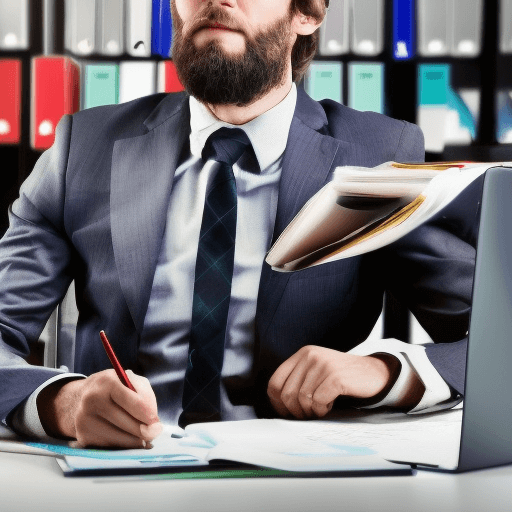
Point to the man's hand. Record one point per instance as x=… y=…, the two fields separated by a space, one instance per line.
x=307 y=383
x=101 y=411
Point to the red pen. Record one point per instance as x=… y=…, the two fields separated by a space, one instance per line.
x=115 y=362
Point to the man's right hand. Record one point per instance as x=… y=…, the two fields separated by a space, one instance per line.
x=101 y=411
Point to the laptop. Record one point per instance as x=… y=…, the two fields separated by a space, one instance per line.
x=486 y=436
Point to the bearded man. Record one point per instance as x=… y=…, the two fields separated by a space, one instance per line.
x=124 y=204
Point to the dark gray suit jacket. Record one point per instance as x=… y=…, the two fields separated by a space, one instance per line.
x=94 y=210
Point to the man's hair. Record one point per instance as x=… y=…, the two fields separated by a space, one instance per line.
x=305 y=47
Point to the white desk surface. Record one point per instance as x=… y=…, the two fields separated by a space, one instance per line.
x=31 y=482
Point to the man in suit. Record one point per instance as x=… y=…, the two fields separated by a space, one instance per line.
x=117 y=204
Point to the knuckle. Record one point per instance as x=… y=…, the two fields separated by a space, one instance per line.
x=305 y=398
x=81 y=423
x=305 y=395
x=273 y=391
x=313 y=355
x=287 y=397
x=338 y=384
x=144 y=381
x=88 y=400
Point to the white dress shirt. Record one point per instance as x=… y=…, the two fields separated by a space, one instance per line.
x=164 y=343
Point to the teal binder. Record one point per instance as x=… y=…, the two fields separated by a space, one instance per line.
x=101 y=85
x=433 y=83
x=458 y=124
x=324 y=80
x=366 y=87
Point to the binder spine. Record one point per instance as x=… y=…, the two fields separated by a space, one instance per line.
x=111 y=27
x=10 y=101
x=14 y=22
x=505 y=15
x=168 y=80
x=467 y=28
x=366 y=90
x=403 y=29
x=334 y=30
x=138 y=27
x=324 y=80
x=101 y=85
x=55 y=92
x=367 y=27
x=161 y=30
x=80 y=21
x=136 y=79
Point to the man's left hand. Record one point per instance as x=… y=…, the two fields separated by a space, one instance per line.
x=307 y=383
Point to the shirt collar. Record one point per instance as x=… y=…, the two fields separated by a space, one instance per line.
x=268 y=132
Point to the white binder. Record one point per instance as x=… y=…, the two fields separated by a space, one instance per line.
x=433 y=27
x=450 y=27
x=505 y=17
x=136 y=79
x=138 y=28
x=466 y=27
x=14 y=18
x=334 y=30
x=367 y=27
x=80 y=26
x=111 y=27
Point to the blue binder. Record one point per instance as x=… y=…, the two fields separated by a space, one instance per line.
x=161 y=28
x=403 y=29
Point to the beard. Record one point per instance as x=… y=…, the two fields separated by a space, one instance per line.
x=215 y=77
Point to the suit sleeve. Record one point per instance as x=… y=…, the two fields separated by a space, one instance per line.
x=411 y=145
x=35 y=262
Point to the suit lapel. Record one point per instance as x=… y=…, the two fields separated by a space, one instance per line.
x=307 y=164
x=142 y=172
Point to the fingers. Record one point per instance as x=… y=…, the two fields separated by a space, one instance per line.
x=313 y=403
x=307 y=383
x=98 y=432
x=293 y=389
x=277 y=383
x=142 y=404
x=110 y=414
x=290 y=394
x=298 y=390
x=323 y=398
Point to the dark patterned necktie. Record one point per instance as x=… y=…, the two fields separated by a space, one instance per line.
x=212 y=285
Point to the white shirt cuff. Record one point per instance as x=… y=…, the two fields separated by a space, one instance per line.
x=413 y=360
x=25 y=419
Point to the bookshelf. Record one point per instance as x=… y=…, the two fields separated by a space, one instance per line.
x=488 y=72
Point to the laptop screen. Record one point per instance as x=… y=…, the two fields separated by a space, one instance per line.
x=486 y=438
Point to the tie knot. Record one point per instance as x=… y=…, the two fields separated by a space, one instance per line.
x=226 y=145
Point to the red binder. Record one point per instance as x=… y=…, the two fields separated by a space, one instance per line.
x=55 y=92
x=168 y=80
x=10 y=101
